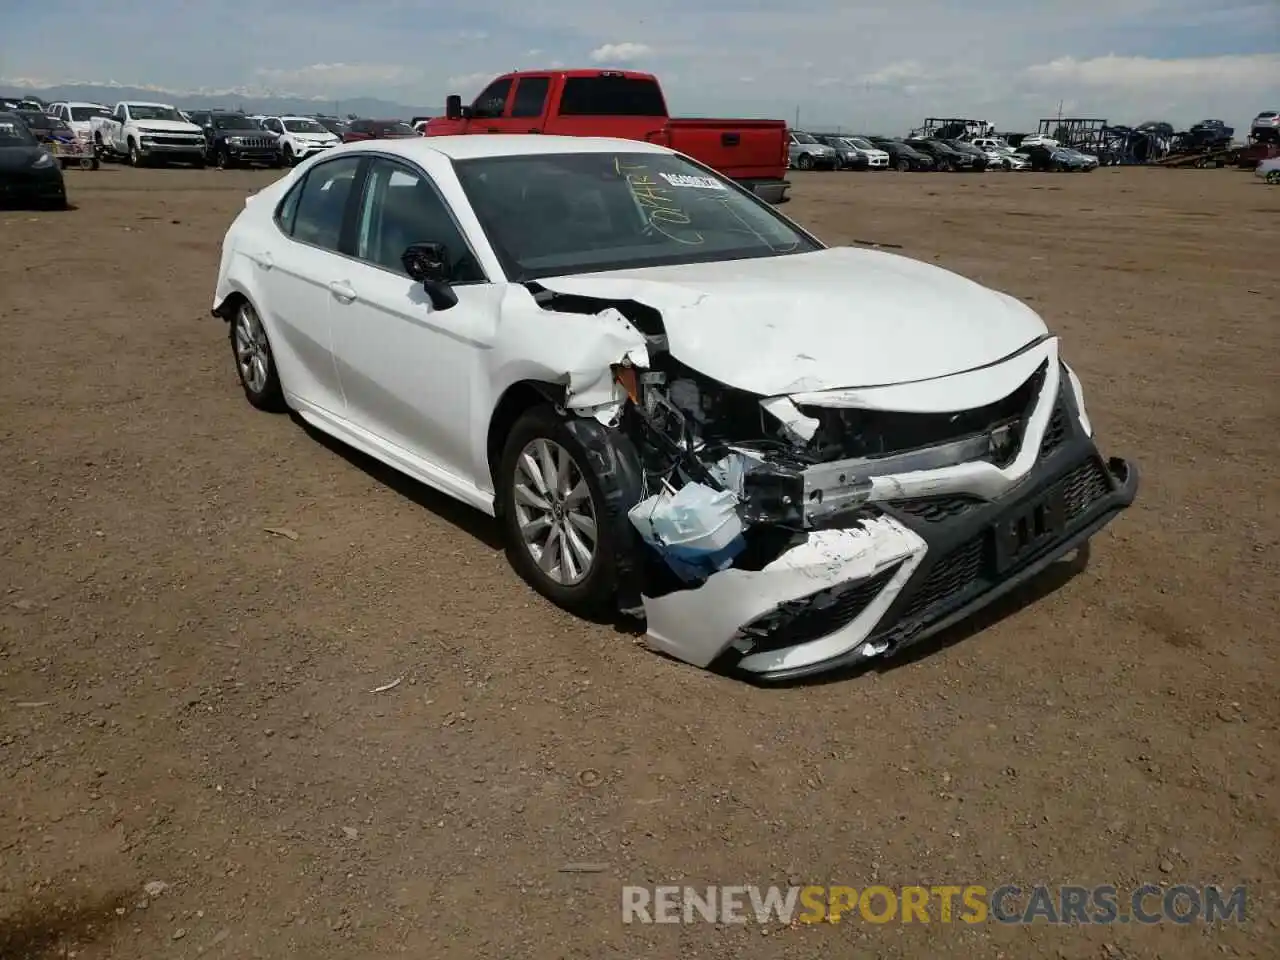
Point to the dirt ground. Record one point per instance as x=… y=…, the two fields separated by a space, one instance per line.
x=185 y=697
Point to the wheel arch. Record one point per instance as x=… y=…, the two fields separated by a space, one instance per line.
x=515 y=400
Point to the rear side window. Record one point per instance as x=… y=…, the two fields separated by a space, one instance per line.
x=314 y=211
x=531 y=96
x=611 y=97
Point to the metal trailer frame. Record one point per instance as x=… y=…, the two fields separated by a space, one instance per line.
x=80 y=153
x=953 y=128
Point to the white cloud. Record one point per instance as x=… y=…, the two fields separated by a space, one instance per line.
x=625 y=52
x=1255 y=70
x=339 y=77
x=465 y=82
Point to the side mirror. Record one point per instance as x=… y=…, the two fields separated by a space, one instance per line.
x=428 y=263
x=453 y=107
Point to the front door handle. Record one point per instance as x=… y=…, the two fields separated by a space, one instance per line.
x=534 y=130
x=342 y=291
x=264 y=260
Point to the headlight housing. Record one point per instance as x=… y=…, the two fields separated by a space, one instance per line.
x=42 y=161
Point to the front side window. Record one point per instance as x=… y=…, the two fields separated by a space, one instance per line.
x=322 y=203
x=401 y=207
x=582 y=212
x=490 y=104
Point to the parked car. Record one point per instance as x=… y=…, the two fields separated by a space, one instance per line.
x=1045 y=159
x=979 y=157
x=945 y=157
x=1266 y=127
x=627 y=104
x=235 y=140
x=28 y=172
x=358 y=130
x=877 y=157
x=901 y=156
x=847 y=155
x=77 y=114
x=1086 y=162
x=806 y=152
x=1269 y=170
x=299 y=137
x=145 y=133
x=695 y=433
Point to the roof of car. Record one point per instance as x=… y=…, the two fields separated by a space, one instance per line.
x=506 y=145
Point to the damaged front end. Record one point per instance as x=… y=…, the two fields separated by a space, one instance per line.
x=781 y=536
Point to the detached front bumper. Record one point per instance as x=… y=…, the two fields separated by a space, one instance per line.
x=900 y=572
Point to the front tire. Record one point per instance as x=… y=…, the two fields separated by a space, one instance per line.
x=558 y=537
x=255 y=364
x=1273 y=176
x=903 y=165
x=135 y=155
x=289 y=159
x=804 y=162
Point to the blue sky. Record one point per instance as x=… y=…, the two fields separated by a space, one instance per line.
x=879 y=64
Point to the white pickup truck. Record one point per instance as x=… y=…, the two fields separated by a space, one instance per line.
x=148 y=132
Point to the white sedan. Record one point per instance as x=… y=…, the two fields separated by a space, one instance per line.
x=680 y=405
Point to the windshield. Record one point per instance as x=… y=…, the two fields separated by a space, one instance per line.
x=556 y=214
x=333 y=126
x=396 y=130
x=304 y=126
x=81 y=114
x=37 y=121
x=804 y=138
x=235 y=122
x=145 y=111
x=862 y=144
x=14 y=133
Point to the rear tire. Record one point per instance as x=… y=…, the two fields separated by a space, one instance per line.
x=255 y=363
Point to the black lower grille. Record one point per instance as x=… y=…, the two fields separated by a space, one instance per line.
x=952 y=575
x=1055 y=432
x=1083 y=486
x=817 y=615
x=937 y=509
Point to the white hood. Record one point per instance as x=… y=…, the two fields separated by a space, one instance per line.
x=314 y=137
x=169 y=126
x=835 y=318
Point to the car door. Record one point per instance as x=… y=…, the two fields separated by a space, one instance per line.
x=296 y=270
x=527 y=111
x=409 y=371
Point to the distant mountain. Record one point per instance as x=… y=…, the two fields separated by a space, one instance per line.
x=249 y=101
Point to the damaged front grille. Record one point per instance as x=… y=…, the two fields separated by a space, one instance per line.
x=1056 y=432
x=817 y=615
x=846 y=433
x=937 y=509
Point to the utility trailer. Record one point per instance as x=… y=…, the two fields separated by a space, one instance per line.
x=1201 y=157
x=953 y=128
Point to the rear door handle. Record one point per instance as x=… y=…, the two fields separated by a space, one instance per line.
x=493 y=129
x=342 y=291
x=534 y=130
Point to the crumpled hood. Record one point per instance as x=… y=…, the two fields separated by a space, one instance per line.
x=842 y=317
x=314 y=137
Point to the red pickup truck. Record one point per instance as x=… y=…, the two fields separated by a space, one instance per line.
x=625 y=104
